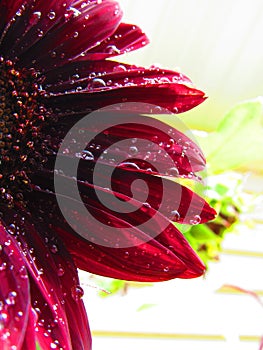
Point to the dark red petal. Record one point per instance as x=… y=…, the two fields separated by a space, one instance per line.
x=126 y=38
x=149 y=259
x=30 y=334
x=135 y=142
x=117 y=70
x=85 y=86
x=114 y=74
x=8 y=11
x=174 y=96
x=14 y=291
x=54 y=286
x=74 y=36
x=176 y=202
x=33 y=20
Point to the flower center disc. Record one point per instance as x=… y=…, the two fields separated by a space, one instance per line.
x=21 y=116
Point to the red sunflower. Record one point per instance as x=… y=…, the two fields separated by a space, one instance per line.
x=55 y=70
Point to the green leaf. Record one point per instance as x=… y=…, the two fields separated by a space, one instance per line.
x=145 y=307
x=238 y=139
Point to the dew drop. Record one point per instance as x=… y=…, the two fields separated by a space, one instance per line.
x=10 y=300
x=7 y=243
x=166 y=269
x=133 y=150
x=3 y=266
x=51 y=15
x=12 y=229
x=19 y=13
x=72 y=12
x=54 y=249
x=87 y=155
x=23 y=272
x=119 y=68
x=173 y=172
x=40 y=33
x=77 y=292
x=164 y=80
x=75 y=34
x=35 y=17
x=112 y=49
x=60 y=271
x=3 y=319
x=146 y=205
x=129 y=165
x=175 y=215
x=97 y=83
x=196 y=220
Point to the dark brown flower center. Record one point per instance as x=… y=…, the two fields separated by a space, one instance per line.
x=21 y=117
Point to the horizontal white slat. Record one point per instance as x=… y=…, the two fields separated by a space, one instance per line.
x=153 y=344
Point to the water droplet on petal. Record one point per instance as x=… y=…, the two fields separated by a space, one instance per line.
x=126 y=255
x=166 y=269
x=77 y=293
x=173 y=172
x=119 y=68
x=11 y=229
x=3 y=266
x=97 y=83
x=3 y=319
x=129 y=165
x=10 y=300
x=53 y=54
x=54 y=249
x=7 y=243
x=60 y=271
x=87 y=155
x=40 y=33
x=35 y=18
x=196 y=220
x=19 y=12
x=146 y=205
x=23 y=272
x=112 y=49
x=72 y=12
x=133 y=150
x=51 y=15
x=175 y=215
